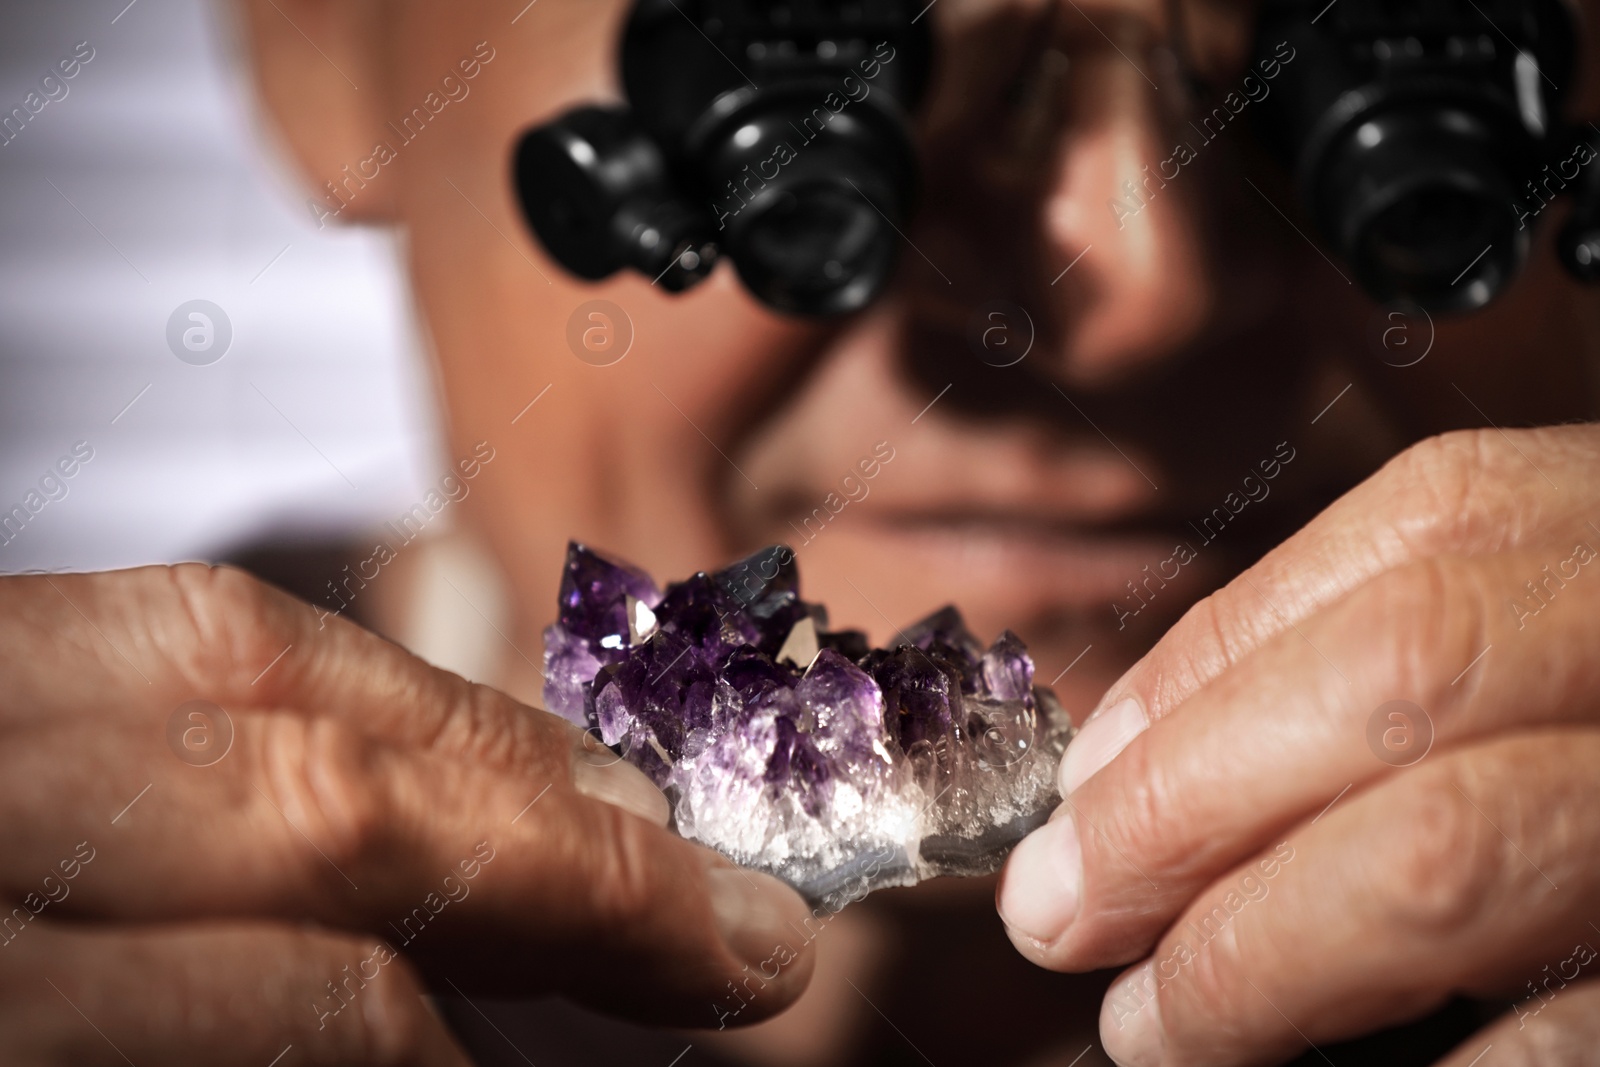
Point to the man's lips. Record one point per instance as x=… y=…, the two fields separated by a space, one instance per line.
x=1009 y=475
x=1012 y=535
x=904 y=500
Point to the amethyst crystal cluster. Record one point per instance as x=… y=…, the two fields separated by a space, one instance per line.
x=798 y=750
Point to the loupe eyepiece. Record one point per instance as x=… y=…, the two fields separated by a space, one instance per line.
x=777 y=136
x=1579 y=247
x=1414 y=132
x=816 y=248
x=1578 y=244
x=810 y=198
x=597 y=193
x=1418 y=201
x=773 y=135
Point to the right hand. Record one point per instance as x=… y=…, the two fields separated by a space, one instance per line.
x=370 y=813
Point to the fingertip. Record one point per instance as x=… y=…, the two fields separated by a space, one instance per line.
x=402 y=1025
x=1041 y=887
x=1130 y=1019
x=1101 y=739
x=600 y=774
x=761 y=922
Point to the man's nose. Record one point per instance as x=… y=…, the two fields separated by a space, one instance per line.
x=1121 y=215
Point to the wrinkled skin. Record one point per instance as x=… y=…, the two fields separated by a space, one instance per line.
x=208 y=885
x=1364 y=874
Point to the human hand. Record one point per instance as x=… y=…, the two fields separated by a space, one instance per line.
x=1290 y=857
x=332 y=829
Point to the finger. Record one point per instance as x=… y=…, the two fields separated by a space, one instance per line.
x=140 y=643
x=536 y=885
x=1449 y=878
x=1280 y=736
x=212 y=627
x=1553 y=1028
x=240 y=993
x=1430 y=500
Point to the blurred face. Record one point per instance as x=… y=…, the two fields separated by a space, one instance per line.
x=1170 y=421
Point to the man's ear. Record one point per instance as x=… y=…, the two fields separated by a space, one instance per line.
x=318 y=73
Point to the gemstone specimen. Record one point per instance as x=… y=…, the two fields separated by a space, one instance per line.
x=802 y=751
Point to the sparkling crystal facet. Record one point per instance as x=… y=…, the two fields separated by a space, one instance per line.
x=595 y=627
x=800 y=647
x=802 y=751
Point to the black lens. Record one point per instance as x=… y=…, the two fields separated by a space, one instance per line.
x=1415 y=132
x=819 y=249
x=1420 y=201
x=596 y=191
x=1444 y=246
x=572 y=176
x=807 y=198
x=774 y=135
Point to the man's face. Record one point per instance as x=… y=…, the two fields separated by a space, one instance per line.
x=1170 y=421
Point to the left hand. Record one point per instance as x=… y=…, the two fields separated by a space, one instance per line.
x=1292 y=862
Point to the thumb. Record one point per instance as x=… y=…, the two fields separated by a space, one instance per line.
x=622 y=915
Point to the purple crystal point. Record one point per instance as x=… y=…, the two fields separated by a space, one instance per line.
x=594 y=592
x=755 y=677
x=766 y=586
x=569 y=671
x=603 y=606
x=800 y=751
x=762 y=583
x=846 y=706
x=921 y=694
x=700 y=611
x=667 y=690
x=1007 y=669
x=946 y=631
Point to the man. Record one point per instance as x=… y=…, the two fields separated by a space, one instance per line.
x=1353 y=782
